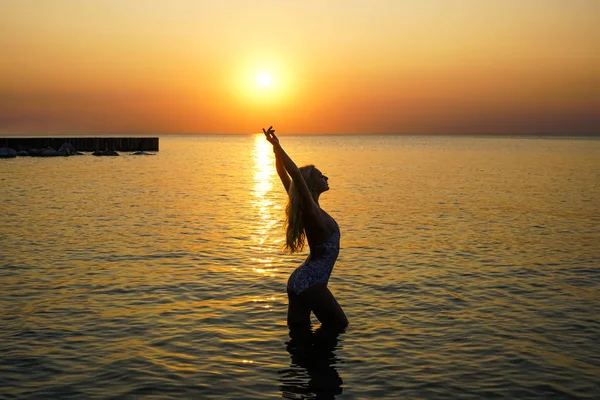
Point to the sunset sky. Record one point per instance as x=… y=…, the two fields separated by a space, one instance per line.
x=192 y=66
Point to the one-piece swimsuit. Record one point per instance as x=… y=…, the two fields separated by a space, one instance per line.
x=317 y=267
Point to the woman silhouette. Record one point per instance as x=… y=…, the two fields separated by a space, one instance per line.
x=307 y=286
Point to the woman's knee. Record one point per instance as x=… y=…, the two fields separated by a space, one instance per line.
x=326 y=308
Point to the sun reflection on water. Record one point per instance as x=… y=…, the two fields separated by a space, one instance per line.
x=263 y=176
x=264 y=171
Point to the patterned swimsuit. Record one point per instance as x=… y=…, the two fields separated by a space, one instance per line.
x=316 y=269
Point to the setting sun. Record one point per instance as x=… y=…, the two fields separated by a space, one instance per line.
x=264 y=79
x=262 y=82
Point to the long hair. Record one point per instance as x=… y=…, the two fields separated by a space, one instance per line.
x=295 y=236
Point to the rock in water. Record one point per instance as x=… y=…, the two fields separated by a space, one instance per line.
x=6 y=152
x=105 y=153
x=67 y=149
x=50 y=153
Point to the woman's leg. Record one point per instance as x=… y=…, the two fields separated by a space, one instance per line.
x=325 y=306
x=298 y=311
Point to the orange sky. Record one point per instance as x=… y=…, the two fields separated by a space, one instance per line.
x=190 y=66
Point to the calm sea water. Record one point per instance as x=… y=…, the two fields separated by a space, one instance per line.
x=469 y=268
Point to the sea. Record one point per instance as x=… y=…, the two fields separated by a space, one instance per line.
x=469 y=268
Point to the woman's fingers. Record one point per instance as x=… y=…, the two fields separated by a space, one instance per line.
x=270 y=133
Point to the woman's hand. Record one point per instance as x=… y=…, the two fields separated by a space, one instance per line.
x=270 y=135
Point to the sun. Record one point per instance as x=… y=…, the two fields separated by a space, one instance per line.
x=264 y=79
x=264 y=82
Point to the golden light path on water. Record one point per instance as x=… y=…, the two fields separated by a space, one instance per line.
x=265 y=207
x=264 y=171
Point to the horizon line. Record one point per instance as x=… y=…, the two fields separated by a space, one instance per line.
x=137 y=134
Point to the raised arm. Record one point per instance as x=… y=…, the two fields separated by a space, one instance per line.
x=283 y=175
x=308 y=203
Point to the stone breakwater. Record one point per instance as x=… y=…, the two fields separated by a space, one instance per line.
x=88 y=144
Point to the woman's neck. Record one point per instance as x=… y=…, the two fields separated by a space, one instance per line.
x=315 y=196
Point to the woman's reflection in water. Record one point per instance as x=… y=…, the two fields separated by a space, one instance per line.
x=312 y=373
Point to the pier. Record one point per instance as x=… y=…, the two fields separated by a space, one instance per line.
x=83 y=143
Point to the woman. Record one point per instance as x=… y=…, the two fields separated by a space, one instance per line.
x=307 y=286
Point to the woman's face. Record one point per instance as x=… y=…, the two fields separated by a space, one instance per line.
x=319 y=181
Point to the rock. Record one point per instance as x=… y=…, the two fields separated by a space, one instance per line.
x=50 y=153
x=141 y=153
x=105 y=153
x=6 y=152
x=34 y=152
x=67 y=149
x=23 y=153
x=47 y=152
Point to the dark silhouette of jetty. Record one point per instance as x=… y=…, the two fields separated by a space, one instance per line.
x=83 y=143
